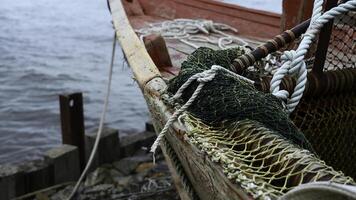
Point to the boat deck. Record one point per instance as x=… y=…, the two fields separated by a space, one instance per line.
x=177 y=50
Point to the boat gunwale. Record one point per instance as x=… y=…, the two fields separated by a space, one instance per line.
x=243 y=9
x=239 y=7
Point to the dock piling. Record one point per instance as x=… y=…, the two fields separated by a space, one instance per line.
x=109 y=147
x=72 y=122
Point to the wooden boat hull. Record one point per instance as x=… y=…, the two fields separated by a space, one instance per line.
x=205 y=176
x=195 y=174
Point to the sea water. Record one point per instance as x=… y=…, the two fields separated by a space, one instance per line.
x=51 y=47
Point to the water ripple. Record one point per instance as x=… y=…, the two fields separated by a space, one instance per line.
x=52 y=47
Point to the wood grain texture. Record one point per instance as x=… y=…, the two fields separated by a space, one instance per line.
x=250 y=23
x=207 y=177
x=140 y=62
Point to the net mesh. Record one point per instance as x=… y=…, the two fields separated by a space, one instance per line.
x=227 y=98
x=259 y=160
x=329 y=124
x=328 y=120
x=251 y=136
x=342 y=45
x=247 y=131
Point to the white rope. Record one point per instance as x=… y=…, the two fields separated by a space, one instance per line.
x=184 y=30
x=202 y=78
x=101 y=124
x=293 y=61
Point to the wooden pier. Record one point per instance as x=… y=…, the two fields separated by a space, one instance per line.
x=64 y=163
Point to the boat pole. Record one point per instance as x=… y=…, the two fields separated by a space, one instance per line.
x=279 y=41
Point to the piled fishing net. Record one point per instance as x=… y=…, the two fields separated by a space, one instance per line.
x=227 y=98
x=247 y=131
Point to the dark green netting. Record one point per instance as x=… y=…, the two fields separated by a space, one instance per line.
x=227 y=99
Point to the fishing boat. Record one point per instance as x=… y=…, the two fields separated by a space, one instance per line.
x=248 y=161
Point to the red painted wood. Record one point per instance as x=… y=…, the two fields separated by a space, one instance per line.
x=250 y=22
x=294 y=12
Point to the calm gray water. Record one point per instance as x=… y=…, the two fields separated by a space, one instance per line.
x=274 y=6
x=49 y=47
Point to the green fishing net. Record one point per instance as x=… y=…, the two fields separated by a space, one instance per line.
x=228 y=99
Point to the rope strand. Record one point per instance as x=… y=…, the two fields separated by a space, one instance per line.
x=184 y=30
x=294 y=61
x=202 y=78
x=101 y=124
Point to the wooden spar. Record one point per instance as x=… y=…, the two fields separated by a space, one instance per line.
x=205 y=176
x=142 y=65
x=279 y=41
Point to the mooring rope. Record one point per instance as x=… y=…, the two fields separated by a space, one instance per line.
x=201 y=78
x=101 y=123
x=184 y=30
x=294 y=60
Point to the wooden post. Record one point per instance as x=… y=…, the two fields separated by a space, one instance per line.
x=65 y=163
x=323 y=42
x=108 y=149
x=72 y=122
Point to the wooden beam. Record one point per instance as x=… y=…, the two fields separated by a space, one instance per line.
x=72 y=122
x=140 y=62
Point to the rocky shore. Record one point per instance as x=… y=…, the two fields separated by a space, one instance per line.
x=122 y=169
x=130 y=178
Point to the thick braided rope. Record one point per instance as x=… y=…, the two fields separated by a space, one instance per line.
x=202 y=78
x=293 y=61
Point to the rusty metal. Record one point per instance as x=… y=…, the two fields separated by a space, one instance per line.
x=72 y=122
x=323 y=42
x=279 y=41
x=332 y=82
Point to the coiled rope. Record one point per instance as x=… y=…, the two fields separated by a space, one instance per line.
x=184 y=30
x=101 y=123
x=293 y=60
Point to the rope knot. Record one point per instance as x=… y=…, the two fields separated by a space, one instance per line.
x=293 y=63
x=288 y=56
x=206 y=76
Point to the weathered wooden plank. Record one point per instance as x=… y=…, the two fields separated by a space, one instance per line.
x=250 y=22
x=65 y=160
x=140 y=62
x=72 y=122
x=206 y=177
x=108 y=149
